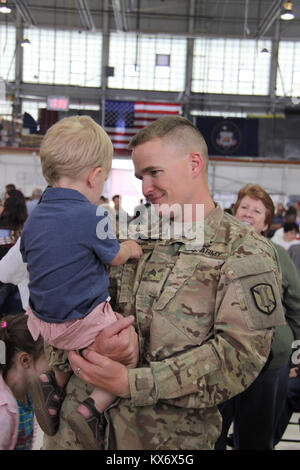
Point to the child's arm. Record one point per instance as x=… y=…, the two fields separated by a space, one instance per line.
x=7 y=430
x=128 y=249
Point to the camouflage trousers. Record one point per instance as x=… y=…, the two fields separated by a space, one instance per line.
x=67 y=439
x=57 y=358
x=209 y=426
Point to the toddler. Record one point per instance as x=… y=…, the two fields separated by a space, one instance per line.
x=66 y=258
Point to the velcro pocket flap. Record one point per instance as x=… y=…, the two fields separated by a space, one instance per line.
x=257 y=290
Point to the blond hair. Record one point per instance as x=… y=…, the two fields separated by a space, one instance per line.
x=177 y=130
x=72 y=145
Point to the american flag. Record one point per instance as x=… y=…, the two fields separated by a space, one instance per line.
x=123 y=119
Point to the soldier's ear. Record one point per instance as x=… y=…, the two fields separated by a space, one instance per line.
x=196 y=163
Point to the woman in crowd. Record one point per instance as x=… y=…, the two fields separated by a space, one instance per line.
x=256 y=412
x=12 y=220
x=21 y=360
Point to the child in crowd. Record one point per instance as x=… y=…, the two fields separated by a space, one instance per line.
x=66 y=250
x=21 y=360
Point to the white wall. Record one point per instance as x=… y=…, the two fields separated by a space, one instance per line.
x=225 y=177
x=276 y=178
x=21 y=168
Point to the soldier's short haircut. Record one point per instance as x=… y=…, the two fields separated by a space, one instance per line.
x=177 y=130
x=257 y=192
x=72 y=145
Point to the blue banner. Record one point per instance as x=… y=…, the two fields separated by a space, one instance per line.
x=233 y=137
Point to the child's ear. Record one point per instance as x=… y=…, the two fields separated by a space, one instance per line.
x=25 y=360
x=93 y=173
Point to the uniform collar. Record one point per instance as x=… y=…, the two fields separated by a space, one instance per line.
x=188 y=232
x=212 y=223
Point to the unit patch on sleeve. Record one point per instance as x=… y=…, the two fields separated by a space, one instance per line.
x=264 y=298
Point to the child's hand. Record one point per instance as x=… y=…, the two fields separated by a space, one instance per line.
x=135 y=249
x=128 y=249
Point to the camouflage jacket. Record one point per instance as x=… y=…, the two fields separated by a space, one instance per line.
x=205 y=319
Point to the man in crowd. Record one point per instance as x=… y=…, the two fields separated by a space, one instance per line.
x=33 y=202
x=205 y=307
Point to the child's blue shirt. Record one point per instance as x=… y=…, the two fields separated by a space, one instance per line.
x=65 y=257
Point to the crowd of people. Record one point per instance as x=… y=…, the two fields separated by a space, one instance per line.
x=153 y=343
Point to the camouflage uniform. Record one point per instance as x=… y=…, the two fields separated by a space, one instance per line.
x=205 y=321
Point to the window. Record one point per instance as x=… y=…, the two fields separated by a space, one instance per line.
x=224 y=114
x=7 y=52
x=131 y=70
x=296 y=84
x=232 y=66
x=163 y=60
x=246 y=75
x=288 y=73
x=46 y=65
x=7 y=66
x=63 y=57
x=162 y=67
x=77 y=66
x=147 y=63
x=32 y=107
x=215 y=74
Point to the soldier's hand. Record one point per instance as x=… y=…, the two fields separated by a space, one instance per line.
x=119 y=342
x=100 y=371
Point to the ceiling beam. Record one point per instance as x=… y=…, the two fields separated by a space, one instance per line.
x=24 y=11
x=270 y=16
x=85 y=15
x=120 y=10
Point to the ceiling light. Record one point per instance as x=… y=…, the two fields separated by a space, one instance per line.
x=287 y=13
x=4 y=8
x=265 y=51
x=25 y=42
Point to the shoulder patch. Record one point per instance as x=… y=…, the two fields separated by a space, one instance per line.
x=264 y=298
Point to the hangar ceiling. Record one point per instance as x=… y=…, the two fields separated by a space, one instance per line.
x=251 y=19
x=225 y=18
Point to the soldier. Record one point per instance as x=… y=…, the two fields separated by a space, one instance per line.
x=205 y=313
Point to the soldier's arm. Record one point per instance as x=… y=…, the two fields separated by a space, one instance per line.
x=247 y=308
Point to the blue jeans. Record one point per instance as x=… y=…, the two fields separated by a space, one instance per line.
x=291 y=405
x=255 y=412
